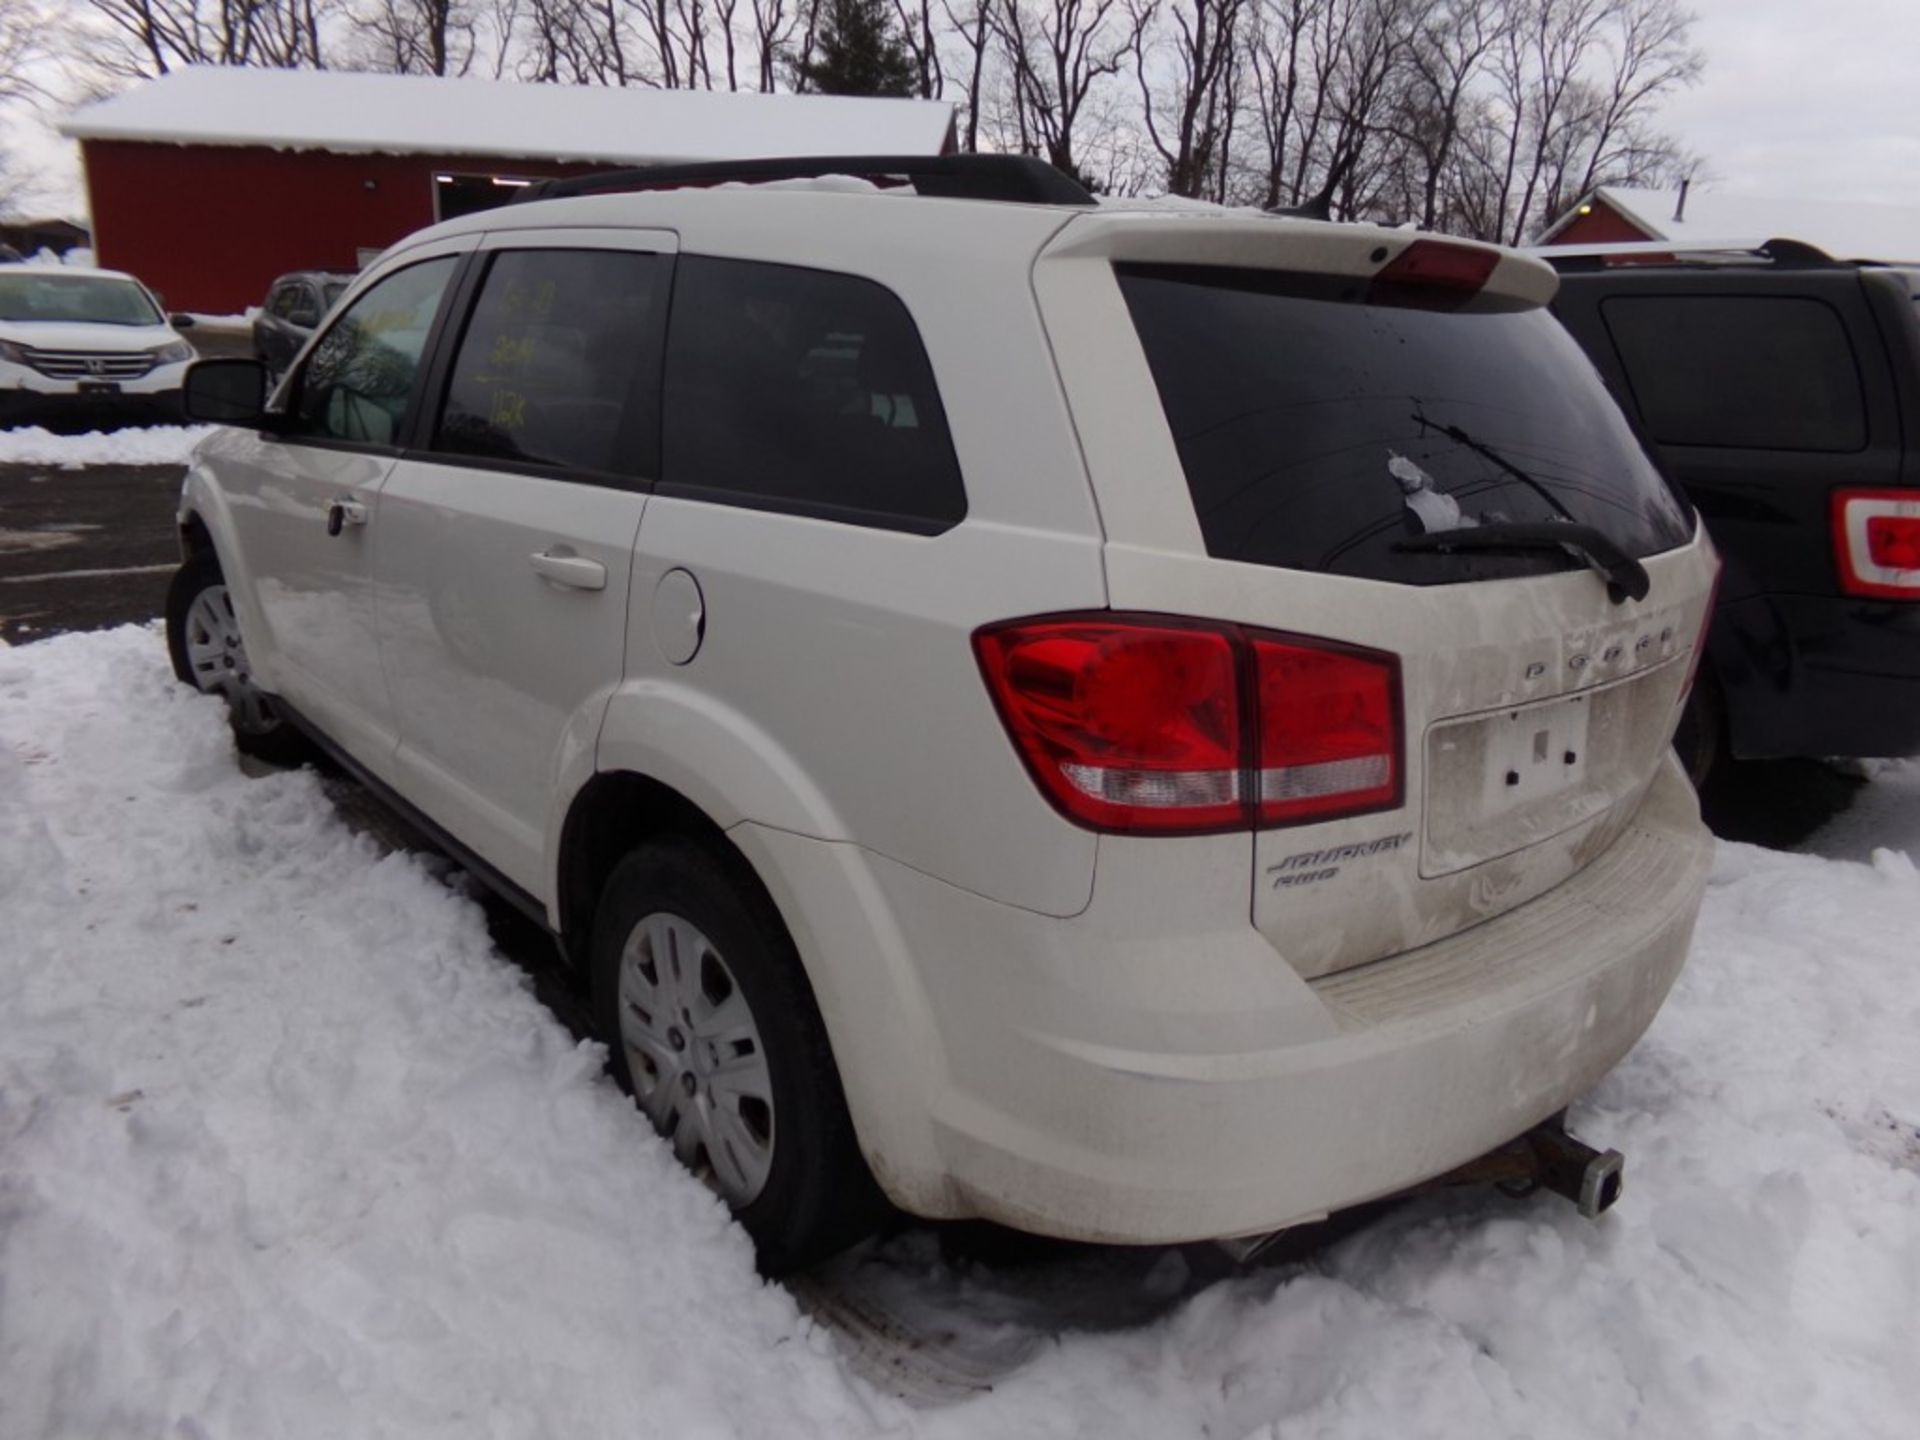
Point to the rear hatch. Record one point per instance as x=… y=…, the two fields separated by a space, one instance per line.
x=1342 y=438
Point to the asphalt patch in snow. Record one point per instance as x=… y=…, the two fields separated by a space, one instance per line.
x=287 y=1148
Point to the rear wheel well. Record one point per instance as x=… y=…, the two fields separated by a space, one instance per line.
x=195 y=539
x=613 y=813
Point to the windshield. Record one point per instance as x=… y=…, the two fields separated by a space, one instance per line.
x=33 y=294
x=1319 y=432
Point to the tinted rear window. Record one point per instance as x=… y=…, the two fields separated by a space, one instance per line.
x=1755 y=372
x=1317 y=430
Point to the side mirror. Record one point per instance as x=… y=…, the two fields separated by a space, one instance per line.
x=181 y=321
x=227 y=392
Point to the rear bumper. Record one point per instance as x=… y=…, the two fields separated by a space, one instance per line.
x=1088 y=1079
x=1820 y=675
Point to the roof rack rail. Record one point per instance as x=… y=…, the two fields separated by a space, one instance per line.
x=1682 y=252
x=1022 y=179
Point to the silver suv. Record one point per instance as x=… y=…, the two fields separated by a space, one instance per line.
x=1137 y=726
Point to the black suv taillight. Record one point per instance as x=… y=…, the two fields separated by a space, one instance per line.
x=1876 y=542
x=1156 y=724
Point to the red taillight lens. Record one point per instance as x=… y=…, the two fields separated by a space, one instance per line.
x=1126 y=725
x=1145 y=723
x=1876 y=542
x=1893 y=541
x=1329 y=730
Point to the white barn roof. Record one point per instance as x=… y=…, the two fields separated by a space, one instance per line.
x=1847 y=230
x=353 y=113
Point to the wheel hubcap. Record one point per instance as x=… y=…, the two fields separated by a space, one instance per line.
x=694 y=1053
x=218 y=659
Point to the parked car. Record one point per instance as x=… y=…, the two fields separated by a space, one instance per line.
x=1139 y=727
x=87 y=347
x=1782 y=389
x=294 y=306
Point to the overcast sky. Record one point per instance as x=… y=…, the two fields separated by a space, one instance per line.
x=1816 y=98
x=1801 y=98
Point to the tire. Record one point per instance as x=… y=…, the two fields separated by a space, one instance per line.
x=204 y=642
x=726 y=1053
x=1701 y=738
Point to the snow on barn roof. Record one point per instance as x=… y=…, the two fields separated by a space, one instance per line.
x=1848 y=230
x=353 y=113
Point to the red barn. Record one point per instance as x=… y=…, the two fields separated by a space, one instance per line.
x=210 y=181
x=1704 y=217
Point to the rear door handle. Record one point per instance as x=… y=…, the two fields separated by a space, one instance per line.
x=344 y=512
x=575 y=571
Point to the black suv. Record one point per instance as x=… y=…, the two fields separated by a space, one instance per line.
x=1782 y=390
x=295 y=305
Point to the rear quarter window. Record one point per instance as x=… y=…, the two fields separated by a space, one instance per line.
x=803 y=391
x=1755 y=372
x=1317 y=430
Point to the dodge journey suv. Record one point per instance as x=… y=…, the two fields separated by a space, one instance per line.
x=1137 y=726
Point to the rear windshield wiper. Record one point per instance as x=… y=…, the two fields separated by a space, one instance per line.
x=1480 y=447
x=1626 y=577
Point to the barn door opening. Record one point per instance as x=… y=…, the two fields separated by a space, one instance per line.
x=456 y=195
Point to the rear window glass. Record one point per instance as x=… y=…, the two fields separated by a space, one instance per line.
x=1318 y=431
x=804 y=391
x=1755 y=372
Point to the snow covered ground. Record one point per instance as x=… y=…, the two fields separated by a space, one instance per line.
x=160 y=445
x=287 y=1150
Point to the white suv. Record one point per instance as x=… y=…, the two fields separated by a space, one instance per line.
x=1138 y=726
x=86 y=346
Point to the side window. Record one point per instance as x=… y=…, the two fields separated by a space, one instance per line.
x=302 y=307
x=357 y=380
x=804 y=391
x=559 y=364
x=1744 y=371
x=281 y=303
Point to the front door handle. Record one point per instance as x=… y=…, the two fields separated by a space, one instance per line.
x=344 y=512
x=575 y=571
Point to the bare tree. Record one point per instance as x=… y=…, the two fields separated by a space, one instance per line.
x=976 y=34
x=581 y=42
x=151 y=37
x=1445 y=58
x=1058 y=52
x=773 y=27
x=1197 y=113
x=418 y=37
x=1278 y=53
x=25 y=50
x=922 y=40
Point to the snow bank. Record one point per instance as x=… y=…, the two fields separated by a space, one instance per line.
x=160 y=445
x=286 y=1149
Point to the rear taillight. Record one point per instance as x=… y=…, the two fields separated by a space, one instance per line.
x=1329 y=726
x=1144 y=723
x=1876 y=542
